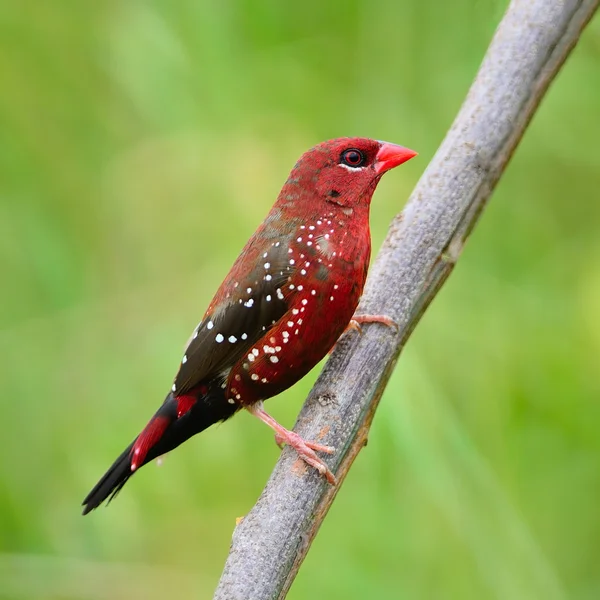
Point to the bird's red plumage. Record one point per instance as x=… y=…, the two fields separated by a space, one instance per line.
x=286 y=300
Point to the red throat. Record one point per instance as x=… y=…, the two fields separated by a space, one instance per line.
x=390 y=156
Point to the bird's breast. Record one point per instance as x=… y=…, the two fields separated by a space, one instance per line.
x=329 y=278
x=323 y=269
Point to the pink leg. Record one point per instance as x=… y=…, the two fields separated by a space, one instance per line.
x=355 y=322
x=306 y=450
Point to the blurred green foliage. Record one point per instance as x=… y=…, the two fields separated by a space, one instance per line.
x=142 y=142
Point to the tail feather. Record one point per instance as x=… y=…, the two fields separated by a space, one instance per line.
x=151 y=435
x=167 y=429
x=111 y=483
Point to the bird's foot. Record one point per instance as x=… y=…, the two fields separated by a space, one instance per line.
x=357 y=320
x=305 y=449
x=292 y=439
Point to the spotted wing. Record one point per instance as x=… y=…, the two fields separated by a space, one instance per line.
x=243 y=310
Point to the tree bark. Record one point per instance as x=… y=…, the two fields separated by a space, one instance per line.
x=531 y=44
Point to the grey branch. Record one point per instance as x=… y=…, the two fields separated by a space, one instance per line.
x=529 y=47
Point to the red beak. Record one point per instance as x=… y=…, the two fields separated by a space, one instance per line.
x=390 y=156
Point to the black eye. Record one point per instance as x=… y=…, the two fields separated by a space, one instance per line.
x=353 y=157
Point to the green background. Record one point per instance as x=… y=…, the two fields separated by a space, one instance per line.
x=141 y=144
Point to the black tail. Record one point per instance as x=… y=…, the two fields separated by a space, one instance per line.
x=164 y=432
x=111 y=483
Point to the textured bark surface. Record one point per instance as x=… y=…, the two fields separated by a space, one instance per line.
x=529 y=47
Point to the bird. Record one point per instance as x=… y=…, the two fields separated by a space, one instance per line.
x=289 y=296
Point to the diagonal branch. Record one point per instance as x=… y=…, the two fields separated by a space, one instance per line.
x=531 y=44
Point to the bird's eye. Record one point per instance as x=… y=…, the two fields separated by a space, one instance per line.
x=353 y=158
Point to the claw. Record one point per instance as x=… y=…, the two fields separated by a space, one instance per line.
x=279 y=441
x=354 y=324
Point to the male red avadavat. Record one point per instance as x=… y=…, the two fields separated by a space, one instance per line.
x=288 y=297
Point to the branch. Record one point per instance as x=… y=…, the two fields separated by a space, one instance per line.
x=529 y=47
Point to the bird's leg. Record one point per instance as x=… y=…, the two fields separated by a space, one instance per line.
x=355 y=322
x=305 y=449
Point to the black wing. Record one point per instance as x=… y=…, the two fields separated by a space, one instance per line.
x=255 y=295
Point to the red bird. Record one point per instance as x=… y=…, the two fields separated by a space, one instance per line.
x=289 y=296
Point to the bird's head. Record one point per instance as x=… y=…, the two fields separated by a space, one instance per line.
x=343 y=171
